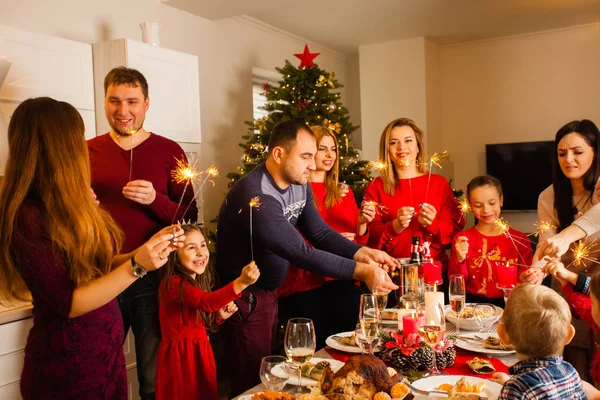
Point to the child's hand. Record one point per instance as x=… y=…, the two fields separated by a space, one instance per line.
x=249 y=275
x=559 y=271
x=227 y=311
x=533 y=275
x=500 y=378
x=462 y=248
x=366 y=212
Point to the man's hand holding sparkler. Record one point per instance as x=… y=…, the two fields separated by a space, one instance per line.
x=426 y=215
x=140 y=191
x=462 y=248
x=376 y=258
x=376 y=279
x=403 y=219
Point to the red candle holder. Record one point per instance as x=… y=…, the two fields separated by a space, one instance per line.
x=432 y=273
x=506 y=275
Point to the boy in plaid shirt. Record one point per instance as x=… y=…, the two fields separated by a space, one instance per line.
x=537 y=322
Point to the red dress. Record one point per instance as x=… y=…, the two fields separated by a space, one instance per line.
x=411 y=193
x=485 y=252
x=342 y=217
x=185 y=367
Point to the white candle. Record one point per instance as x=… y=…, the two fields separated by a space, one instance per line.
x=402 y=312
x=431 y=299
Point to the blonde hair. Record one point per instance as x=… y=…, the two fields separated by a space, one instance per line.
x=48 y=163
x=537 y=320
x=333 y=190
x=388 y=174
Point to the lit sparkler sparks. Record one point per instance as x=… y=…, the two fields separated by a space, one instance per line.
x=504 y=229
x=543 y=227
x=379 y=208
x=376 y=165
x=436 y=158
x=211 y=172
x=183 y=172
x=581 y=253
x=502 y=225
x=254 y=203
x=464 y=206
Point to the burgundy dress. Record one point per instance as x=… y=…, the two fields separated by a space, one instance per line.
x=65 y=358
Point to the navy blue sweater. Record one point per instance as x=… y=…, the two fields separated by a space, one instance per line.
x=276 y=241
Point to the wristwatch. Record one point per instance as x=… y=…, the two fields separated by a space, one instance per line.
x=138 y=270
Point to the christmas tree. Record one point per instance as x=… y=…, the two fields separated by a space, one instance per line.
x=308 y=93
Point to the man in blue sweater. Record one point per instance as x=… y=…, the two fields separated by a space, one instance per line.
x=281 y=184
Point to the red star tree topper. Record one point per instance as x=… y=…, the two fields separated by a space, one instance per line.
x=306 y=58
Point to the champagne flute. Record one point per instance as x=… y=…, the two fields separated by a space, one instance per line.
x=273 y=382
x=299 y=344
x=432 y=333
x=457 y=297
x=369 y=318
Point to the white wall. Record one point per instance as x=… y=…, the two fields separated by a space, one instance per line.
x=227 y=51
x=392 y=85
x=516 y=89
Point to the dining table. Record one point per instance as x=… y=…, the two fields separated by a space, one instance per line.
x=500 y=363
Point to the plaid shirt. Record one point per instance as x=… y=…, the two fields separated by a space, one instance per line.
x=543 y=378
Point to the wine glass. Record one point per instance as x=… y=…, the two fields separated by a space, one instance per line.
x=432 y=333
x=485 y=316
x=274 y=382
x=299 y=344
x=457 y=297
x=369 y=318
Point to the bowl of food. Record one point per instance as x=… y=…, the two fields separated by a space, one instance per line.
x=467 y=318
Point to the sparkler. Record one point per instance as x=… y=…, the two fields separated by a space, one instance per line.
x=542 y=227
x=435 y=159
x=379 y=208
x=131 y=132
x=376 y=165
x=581 y=253
x=183 y=173
x=254 y=203
x=464 y=206
x=211 y=172
x=503 y=227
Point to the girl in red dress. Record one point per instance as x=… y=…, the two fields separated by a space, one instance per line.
x=331 y=304
x=412 y=202
x=185 y=365
x=479 y=251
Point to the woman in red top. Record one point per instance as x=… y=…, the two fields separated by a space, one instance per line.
x=479 y=251
x=412 y=202
x=185 y=367
x=331 y=304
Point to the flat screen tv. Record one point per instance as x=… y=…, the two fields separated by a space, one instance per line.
x=524 y=169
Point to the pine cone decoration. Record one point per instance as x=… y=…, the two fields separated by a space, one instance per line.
x=446 y=359
x=422 y=359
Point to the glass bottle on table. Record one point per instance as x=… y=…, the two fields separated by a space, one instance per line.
x=433 y=332
x=299 y=344
x=457 y=296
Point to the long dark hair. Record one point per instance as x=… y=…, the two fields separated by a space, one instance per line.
x=205 y=281
x=563 y=191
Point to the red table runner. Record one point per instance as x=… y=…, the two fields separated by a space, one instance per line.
x=459 y=367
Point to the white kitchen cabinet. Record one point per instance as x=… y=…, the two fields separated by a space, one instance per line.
x=173 y=86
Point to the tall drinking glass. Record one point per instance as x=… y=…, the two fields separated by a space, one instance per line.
x=299 y=344
x=432 y=332
x=369 y=317
x=457 y=297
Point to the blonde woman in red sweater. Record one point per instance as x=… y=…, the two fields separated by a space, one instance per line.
x=332 y=304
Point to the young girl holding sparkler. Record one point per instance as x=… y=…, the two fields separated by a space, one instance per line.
x=482 y=253
x=417 y=202
x=186 y=366
x=304 y=293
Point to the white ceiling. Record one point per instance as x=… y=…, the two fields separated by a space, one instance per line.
x=343 y=25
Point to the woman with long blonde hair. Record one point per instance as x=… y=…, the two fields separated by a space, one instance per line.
x=59 y=249
x=413 y=202
x=331 y=304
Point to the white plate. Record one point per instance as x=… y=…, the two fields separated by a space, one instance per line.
x=477 y=347
x=334 y=344
x=467 y=324
x=391 y=321
x=282 y=371
x=491 y=389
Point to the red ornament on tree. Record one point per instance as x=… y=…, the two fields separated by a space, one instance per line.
x=302 y=105
x=266 y=87
x=306 y=58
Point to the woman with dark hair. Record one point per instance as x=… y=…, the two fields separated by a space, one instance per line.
x=575 y=171
x=59 y=249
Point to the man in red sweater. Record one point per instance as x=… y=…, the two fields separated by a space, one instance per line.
x=131 y=176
